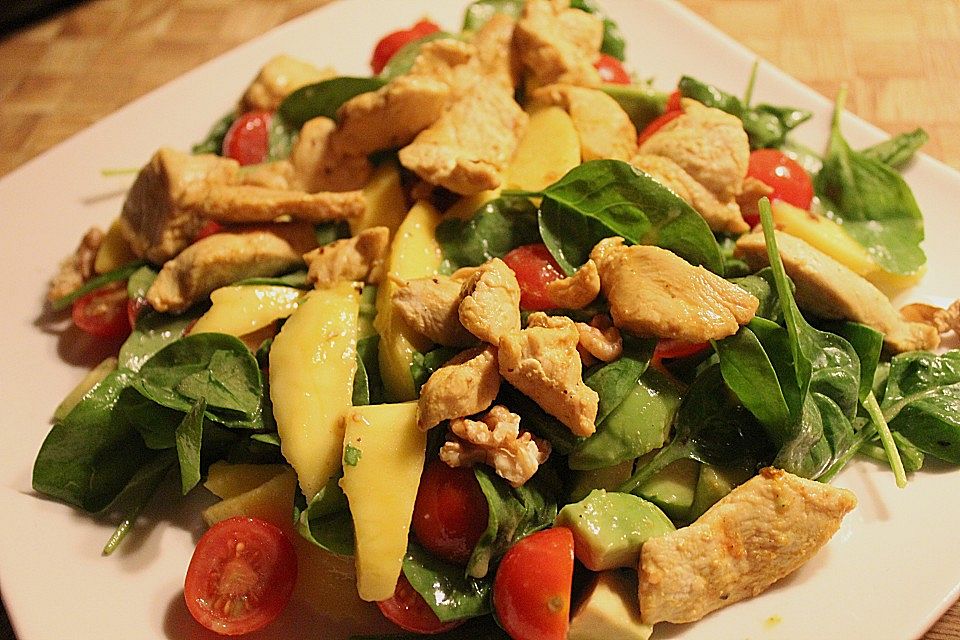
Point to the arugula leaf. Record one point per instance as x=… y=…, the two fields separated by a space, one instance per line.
x=613 y=43
x=496 y=228
x=402 y=61
x=326 y=521
x=898 y=150
x=189 y=436
x=872 y=202
x=213 y=143
x=448 y=592
x=480 y=12
x=602 y=198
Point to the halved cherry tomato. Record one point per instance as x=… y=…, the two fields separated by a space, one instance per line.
x=450 y=513
x=784 y=175
x=531 y=591
x=103 y=312
x=534 y=267
x=611 y=70
x=248 y=140
x=410 y=612
x=208 y=229
x=393 y=42
x=657 y=124
x=667 y=349
x=241 y=576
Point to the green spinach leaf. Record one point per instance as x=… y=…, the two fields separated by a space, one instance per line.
x=402 y=61
x=450 y=594
x=480 y=12
x=118 y=274
x=616 y=380
x=137 y=494
x=323 y=99
x=213 y=143
x=613 y=43
x=189 y=435
x=424 y=364
x=898 y=150
x=326 y=521
x=641 y=102
x=153 y=332
x=495 y=229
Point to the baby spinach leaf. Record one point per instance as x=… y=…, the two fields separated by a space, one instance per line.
x=641 y=102
x=138 y=492
x=613 y=43
x=213 y=143
x=538 y=421
x=603 y=198
x=323 y=98
x=616 y=380
x=424 y=364
x=153 y=332
x=899 y=150
x=295 y=279
x=367 y=385
x=872 y=202
x=868 y=343
x=448 y=592
x=495 y=229
x=761 y=286
x=189 y=435
x=402 y=61
x=326 y=521
x=157 y=425
x=480 y=12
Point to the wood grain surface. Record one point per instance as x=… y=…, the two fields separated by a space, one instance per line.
x=900 y=59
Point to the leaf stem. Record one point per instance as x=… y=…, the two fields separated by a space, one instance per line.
x=886 y=438
x=751 y=83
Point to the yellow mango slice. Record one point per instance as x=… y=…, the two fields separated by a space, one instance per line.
x=549 y=149
x=226 y=480
x=312 y=364
x=464 y=208
x=239 y=310
x=114 y=251
x=384 y=452
x=386 y=202
x=414 y=253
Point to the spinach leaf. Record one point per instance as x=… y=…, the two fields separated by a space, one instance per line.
x=213 y=143
x=480 y=12
x=326 y=521
x=157 y=425
x=367 y=385
x=402 y=61
x=762 y=287
x=602 y=198
x=450 y=594
x=153 y=332
x=280 y=139
x=613 y=43
x=295 y=279
x=922 y=401
x=496 y=228
x=872 y=202
x=91 y=455
x=139 y=282
x=538 y=421
x=512 y=513
x=868 y=343
x=616 y=380
x=637 y=426
x=138 y=492
x=766 y=125
x=118 y=274
x=641 y=102
x=898 y=150
x=189 y=435
x=424 y=364
x=323 y=98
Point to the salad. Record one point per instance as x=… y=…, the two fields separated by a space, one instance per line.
x=446 y=387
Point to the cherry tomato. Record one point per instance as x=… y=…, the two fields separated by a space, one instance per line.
x=393 y=42
x=668 y=348
x=450 y=513
x=410 y=612
x=247 y=140
x=534 y=267
x=208 y=229
x=103 y=312
x=611 y=70
x=657 y=124
x=673 y=101
x=241 y=576
x=531 y=591
x=784 y=175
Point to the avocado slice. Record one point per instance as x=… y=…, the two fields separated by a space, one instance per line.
x=609 y=528
x=673 y=488
x=608 y=478
x=713 y=484
x=610 y=610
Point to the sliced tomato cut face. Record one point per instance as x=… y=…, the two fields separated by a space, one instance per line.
x=241 y=576
x=103 y=313
x=450 y=513
x=410 y=612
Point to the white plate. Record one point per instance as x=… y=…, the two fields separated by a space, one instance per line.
x=888 y=574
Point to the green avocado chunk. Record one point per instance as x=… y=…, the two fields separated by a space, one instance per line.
x=609 y=528
x=610 y=610
x=673 y=488
x=713 y=484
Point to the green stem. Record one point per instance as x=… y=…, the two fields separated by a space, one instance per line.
x=865 y=435
x=886 y=438
x=748 y=96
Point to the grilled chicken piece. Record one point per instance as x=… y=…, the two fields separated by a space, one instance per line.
x=829 y=289
x=431 y=306
x=469 y=147
x=238 y=204
x=600 y=339
x=465 y=385
x=359 y=258
x=450 y=61
x=496 y=440
x=542 y=362
x=578 y=290
x=495 y=54
x=318 y=169
x=281 y=76
x=711 y=147
x=76 y=268
x=653 y=292
x=759 y=533
x=490 y=308
x=604 y=128
x=226 y=257
x=558 y=44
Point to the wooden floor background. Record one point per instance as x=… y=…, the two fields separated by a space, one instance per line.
x=900 y=58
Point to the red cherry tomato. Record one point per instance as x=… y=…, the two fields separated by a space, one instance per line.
x=393 y=42
x=657 y=124
x=534 y=267
x=784 y=175
x=103 y=312
x=209 y=228
x=673 y=101
x=450 y=513
x=668 y=348
x=247 y=140
x=410 y=612
x=611 y=70
x=241 y=576
x=531 y=591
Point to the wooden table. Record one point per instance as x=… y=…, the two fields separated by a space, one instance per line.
x=900 y=59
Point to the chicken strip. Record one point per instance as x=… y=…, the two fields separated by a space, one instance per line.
x=490 y=308
x=558 y=44
x=359 y=258
x=604 y=128
x=318 y=169
x=226 y=257
x=578 y=290
x=467 y=384
x=653 y=292
x=831 y=290
x=233 y=204
x=431 y=306
x=281 y=76
x=759 y=533
x=542 y=362
x=495 y=54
